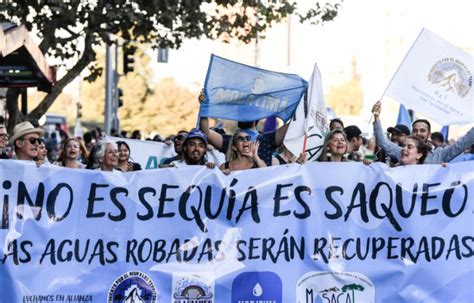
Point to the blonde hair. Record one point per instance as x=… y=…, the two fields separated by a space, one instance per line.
x=231 y=153
x=324 y=154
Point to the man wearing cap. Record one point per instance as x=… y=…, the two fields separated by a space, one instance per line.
x=354 y=140
x=421 y=129
x=25 y=140
x=398 y=134
x=194 y=150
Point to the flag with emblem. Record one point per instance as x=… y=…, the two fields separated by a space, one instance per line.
x=435 y=79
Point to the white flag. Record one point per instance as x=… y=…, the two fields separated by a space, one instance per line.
x=435 y=79
x=310 y=119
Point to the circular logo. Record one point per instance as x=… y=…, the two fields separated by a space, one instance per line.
x=133 y=286
x=451 y=75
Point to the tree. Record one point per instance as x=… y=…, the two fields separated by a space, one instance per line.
x=352 y=287
x=71 y=30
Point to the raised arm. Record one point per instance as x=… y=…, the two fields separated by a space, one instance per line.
x=390 y=148
x=450 y=152
x=213 y=137
x=280 y=134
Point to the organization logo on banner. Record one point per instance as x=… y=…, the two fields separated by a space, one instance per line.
x=451 y=76
x=133 y=287
x=258 y=86
x=257 y=287
x=334 y=287
x=193 y=288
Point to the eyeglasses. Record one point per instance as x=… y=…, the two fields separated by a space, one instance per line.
x=179 y=138
x=244 y=138
x=34 y=140
x=3 y=136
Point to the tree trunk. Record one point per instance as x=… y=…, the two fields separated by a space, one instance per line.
x=14 y=114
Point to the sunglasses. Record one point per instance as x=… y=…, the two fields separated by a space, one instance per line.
x=179 y=138
x=34 y=140
x=244 y=138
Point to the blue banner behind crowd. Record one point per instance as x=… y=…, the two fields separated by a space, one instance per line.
x=236 y=91
x=321 y=232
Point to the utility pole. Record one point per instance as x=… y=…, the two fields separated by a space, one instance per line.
x=115 y=118
x=109 y=91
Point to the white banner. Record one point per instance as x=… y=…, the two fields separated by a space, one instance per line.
x=435 y=79
x=150 y=153
x=319 y=232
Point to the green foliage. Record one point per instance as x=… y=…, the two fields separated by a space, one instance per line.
x=72 y=30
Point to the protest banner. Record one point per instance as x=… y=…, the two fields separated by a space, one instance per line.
x=435 y=79
x=319 y=232
x=236 y=91
x=310 y=121
x=150 y=153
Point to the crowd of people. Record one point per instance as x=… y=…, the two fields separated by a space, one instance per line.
x=246 y=148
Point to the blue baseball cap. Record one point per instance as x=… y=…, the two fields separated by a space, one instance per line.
x=196 y=133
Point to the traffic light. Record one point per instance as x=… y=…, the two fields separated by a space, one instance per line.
x=79 y=110
x=119 y=97
x=128 y=59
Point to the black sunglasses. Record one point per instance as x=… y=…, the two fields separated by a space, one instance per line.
x=244 y=138
x=179 y=138
x=34 y=140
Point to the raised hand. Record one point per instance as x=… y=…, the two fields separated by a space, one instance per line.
x=377 y=109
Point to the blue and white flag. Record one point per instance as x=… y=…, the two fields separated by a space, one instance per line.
x=236 y=91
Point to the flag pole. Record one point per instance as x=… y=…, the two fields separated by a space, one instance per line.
x=398 y=68
x=305 y=142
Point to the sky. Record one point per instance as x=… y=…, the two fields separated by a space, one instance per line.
x=377 y=33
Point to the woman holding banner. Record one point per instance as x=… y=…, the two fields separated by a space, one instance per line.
x=242 y=153
x=335 y=147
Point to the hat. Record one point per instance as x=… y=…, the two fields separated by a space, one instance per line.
x=352 y=131
x=24 y=128
x=400 y=129
x=196 y=133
